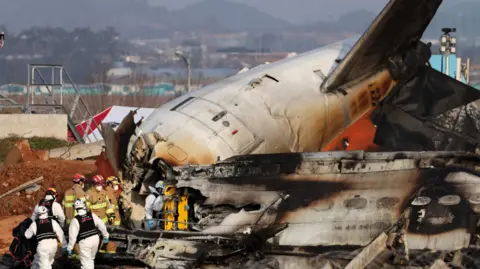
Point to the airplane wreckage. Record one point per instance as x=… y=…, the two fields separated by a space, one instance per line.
x=248 y=181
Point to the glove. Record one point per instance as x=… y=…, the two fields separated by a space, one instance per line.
x=69 y=252
x=150 y=224
x=111 y=218
x=105 y=240
x=187 y=207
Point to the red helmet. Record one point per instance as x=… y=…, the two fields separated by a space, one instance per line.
x=98 y=179
x=77 y=178
x=51 y=191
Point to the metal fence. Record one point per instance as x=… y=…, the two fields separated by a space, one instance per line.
x=159 y=89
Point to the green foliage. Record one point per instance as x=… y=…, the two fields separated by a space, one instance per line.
x=45 y=143
x=36 y=143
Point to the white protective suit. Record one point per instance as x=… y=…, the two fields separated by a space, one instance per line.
x=47 y=248
x=88 y=246
x=152 y=204
x=57 y=211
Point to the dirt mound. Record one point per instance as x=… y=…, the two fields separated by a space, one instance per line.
x=6 y=226
x=22 y=152
x=56 y=173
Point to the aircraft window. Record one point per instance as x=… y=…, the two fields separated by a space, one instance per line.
x=421 y=201
x=356 y=203
x=219 y=115
x=449 y=200
x=181 y=103
x=387 y=202
x=474 y=199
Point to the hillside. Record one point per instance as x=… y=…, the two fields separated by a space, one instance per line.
x=224 y=15
x=134 y=16
x=353 y=22
x=124 y=15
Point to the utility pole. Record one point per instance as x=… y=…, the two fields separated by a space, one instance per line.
x=187 y=63
x=448 y=46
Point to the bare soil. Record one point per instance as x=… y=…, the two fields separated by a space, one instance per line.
x=56 y=173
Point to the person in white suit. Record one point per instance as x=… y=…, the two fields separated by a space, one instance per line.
x=46 y=231
x=84 y=230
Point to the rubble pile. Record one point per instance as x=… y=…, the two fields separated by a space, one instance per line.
x=26 y=165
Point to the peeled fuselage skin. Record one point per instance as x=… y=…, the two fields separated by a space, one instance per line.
x=272 y=108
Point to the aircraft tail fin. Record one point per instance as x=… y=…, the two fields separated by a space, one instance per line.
x=399 y=25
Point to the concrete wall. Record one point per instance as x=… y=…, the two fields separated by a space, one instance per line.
x=29 y=125
x=82 y=151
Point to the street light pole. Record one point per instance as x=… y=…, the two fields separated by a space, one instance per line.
x=447 y=47
x=187 y=63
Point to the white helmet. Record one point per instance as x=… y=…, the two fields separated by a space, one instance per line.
x=159 y=185
x=80 y=207
x=42 y=212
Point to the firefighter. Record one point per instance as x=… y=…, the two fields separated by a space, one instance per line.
x=72 y=194
x=84 y=230
x=154 y=207
x=124 y=205
x=46 y=232
x=111 y=188
x=55 y=210
x=97 y=201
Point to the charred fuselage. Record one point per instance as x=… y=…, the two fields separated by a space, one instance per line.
x=404 y=203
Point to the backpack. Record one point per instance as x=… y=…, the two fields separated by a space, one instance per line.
x=22 y=249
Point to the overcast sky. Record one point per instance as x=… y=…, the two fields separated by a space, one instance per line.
x=296 y=11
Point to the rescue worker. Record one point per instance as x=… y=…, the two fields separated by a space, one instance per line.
x=98 y=202
x=84 y=230
x=124 y=206
x=154 y=207
x=46 y=231
x=55 y=210
x=110 y=189
x=72 y=194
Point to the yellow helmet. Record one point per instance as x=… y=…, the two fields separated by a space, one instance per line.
x=169 y=190
x=113 y=180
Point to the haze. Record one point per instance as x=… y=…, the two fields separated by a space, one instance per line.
x=300 y=11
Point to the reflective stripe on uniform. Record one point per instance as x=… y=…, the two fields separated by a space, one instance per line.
x=98 y=206
x=105 y=220
x=69 y=198
x=110 y=211
x=105 y=251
